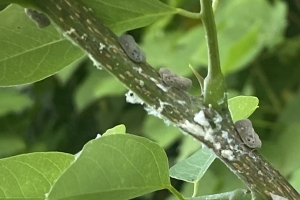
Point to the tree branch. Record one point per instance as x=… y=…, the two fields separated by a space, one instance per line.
x=216 y=129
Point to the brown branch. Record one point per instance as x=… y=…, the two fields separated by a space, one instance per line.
x=176 y=106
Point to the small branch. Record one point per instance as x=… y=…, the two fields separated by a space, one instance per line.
x=175 y=192
x=214 y=84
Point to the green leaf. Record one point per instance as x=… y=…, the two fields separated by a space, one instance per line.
x=288 y=142
x=156 y=130
x=232 y=34
x=65 y=74
x=187 y=147
x=125 y=15
x=242 y=107
x=295 y=179
x=193 y=168
x=120 y=129
x=29 y=54
x=114 y=167
x=11 y=144
x=238 y=194
x=171 y=50
x=13 y=101
x=30 y=176
x=97 y=84
x=291 y=112
x=242 y=50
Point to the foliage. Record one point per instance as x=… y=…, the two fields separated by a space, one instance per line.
x=64 y=112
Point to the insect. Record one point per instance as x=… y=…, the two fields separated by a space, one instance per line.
x=245 y=130
x=131 y=48
x=39 y=18
x=174 y=80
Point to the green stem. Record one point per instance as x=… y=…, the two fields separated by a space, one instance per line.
x=214 y=84
x=196 y=185
x=175 y=192
x=215 y=4
x=188 y=14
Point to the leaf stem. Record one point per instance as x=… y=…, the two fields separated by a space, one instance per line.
x=196 y=185
x=175 y=192
x=188 y=13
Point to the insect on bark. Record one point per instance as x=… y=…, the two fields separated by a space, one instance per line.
x=39 y=18
x=174 y=80
x=245 y=130
x=132 y=49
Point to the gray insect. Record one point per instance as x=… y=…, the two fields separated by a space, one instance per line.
x=131 y=48
x=174 y=80
x=245 y=130
x=39 y=18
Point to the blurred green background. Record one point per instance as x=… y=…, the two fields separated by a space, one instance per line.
x=260 y=56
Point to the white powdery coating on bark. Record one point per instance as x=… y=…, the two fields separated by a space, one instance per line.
x=209 y=135
x=277 y=197
x=69 y=32
x=95 y=62
x=195 y=129
x=161 y=86
x=217 y=146
x=227 y=154
x=133 y=98
x=162 y=106
x=181 y=102
x=200 y=118
x=152 y=111
x=138 y=69
x=141 y=83
x=101 y=47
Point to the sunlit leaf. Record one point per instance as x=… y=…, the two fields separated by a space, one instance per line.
x=120 y=129
x=30 y=176
x=114 y=167
x=28 y=53
x=242 y=107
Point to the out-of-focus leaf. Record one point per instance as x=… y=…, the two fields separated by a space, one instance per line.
x=187 y=147
x=288 y=142
x=166 y=50
x=11 y=144
x=193 y=168
x=125 y=15
x=242 y=50
x=30 y=176
x=65 y=74
x=97 y=84
x=29 y=54
x=295 y=179
x=291 y=112
x=242 y=107
x=262 y=19
x=114 y=167
x=239 y=42
x=13 y=101
x=157 y=131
